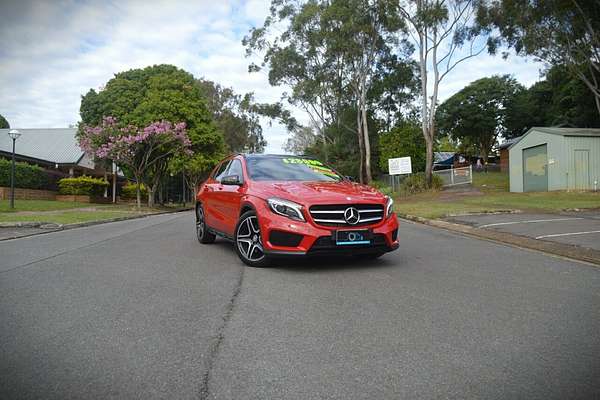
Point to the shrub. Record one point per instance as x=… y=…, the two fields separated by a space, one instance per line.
x=83 y=185
x=129 y=191
x=27 y=176
x=382 y=187
x=415 y=183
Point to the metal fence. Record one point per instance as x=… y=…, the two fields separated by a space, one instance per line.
x=456 y=176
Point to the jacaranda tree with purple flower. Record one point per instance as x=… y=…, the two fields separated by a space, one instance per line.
x=138 y=150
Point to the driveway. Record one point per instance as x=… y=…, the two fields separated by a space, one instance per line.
x=579 y=228
x=139 y=309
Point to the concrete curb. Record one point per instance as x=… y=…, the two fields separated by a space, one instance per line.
x=53 y=227
x=558 y=249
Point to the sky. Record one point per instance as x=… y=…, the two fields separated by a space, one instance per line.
x=52 y=52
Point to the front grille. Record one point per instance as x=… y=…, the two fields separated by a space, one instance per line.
x=333 y=214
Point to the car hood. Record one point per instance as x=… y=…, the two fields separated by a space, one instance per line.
x=309 y=193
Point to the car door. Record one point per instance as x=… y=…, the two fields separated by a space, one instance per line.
x=213 y=209
x=231 y=197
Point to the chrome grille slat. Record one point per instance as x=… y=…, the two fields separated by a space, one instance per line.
x=333 y=214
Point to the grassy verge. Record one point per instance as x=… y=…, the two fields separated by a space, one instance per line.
x=491 y=195
x=69 y=212
x=39 y=205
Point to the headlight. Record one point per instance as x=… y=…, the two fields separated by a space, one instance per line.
x=286 y=208
x=389 y=208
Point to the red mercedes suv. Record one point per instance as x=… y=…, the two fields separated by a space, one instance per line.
x=279 y=205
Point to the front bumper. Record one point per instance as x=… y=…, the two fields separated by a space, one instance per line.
x=316 y=240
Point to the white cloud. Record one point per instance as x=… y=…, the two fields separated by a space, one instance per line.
x=53 y=52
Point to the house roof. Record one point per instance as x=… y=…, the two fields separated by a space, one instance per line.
x=56 y=145
x=560 y=131
x=508 y=142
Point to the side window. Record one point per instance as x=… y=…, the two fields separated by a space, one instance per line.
x=235 y=168
x=220 y=172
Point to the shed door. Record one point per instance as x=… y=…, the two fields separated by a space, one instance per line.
x=535 y=169
x=582 y=172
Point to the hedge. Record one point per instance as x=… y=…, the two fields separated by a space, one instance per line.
x=83 y=185
x=129 y=191
x=27 y=176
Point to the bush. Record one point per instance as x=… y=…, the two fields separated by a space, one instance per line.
x=415 y=183
x=83 y=185
x=382 y=187
x=27 y=176
x=129 y=191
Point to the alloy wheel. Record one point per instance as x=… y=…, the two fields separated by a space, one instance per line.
x=248 y=239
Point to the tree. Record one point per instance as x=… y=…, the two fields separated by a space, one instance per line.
x=138 y=150
x=302 y=139
x=404 y=140
x=477 y=114
x=4 y=123
x=329 y=54
x=235 y=116
x=439 y=30
x=558 y=32
x=139 y=97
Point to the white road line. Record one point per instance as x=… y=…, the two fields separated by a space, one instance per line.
x=529 y=222
x=566 y=234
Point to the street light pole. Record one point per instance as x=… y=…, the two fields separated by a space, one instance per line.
x=14 y=134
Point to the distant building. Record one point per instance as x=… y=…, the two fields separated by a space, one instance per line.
x=555 y=159
x=55 y=150
x=504 y=154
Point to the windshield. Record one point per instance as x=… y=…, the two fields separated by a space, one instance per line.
x=290 y=169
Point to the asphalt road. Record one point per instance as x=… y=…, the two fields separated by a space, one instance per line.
x=576 y=228
x=139 y=309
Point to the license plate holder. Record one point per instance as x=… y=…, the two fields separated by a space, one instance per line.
x=353 y=237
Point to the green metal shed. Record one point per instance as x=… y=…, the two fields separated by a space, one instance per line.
x=555 y=159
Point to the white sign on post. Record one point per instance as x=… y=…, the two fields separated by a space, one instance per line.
x=399 y=166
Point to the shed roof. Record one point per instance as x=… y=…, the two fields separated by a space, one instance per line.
x=441 y=157
x=56 y=145
x=561 y=131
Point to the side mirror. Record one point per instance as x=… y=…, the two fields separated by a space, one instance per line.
x=350 y=178
x=233 y=180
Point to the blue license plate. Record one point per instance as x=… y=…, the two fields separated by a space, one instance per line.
x=352 y=238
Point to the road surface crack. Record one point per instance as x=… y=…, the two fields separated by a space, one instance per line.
x=218 y=339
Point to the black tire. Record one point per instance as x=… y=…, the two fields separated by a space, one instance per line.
x=248 y=241
x=202 y=233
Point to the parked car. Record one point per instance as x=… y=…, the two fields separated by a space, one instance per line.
x=279 y=205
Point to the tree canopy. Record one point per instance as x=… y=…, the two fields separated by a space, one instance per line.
x=477 y=114
x=559 y=32
x=4 y=123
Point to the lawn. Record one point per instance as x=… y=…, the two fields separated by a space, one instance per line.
x=39 y=205
x=66 y=217
x=490 y=193
x=68 y=212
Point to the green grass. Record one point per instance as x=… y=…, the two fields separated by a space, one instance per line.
x=40 y=205
x=66 y=217
x=491 y=181
x=494 y=196
x=70 y=212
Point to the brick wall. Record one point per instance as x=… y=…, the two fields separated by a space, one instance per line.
x=27 y=194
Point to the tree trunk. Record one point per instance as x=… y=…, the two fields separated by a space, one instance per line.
x=360 y=146
x=367 y=145
x=151 y=197
x=428 y=159
x=138 y=195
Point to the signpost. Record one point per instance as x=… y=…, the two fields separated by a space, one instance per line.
x=399 y=166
